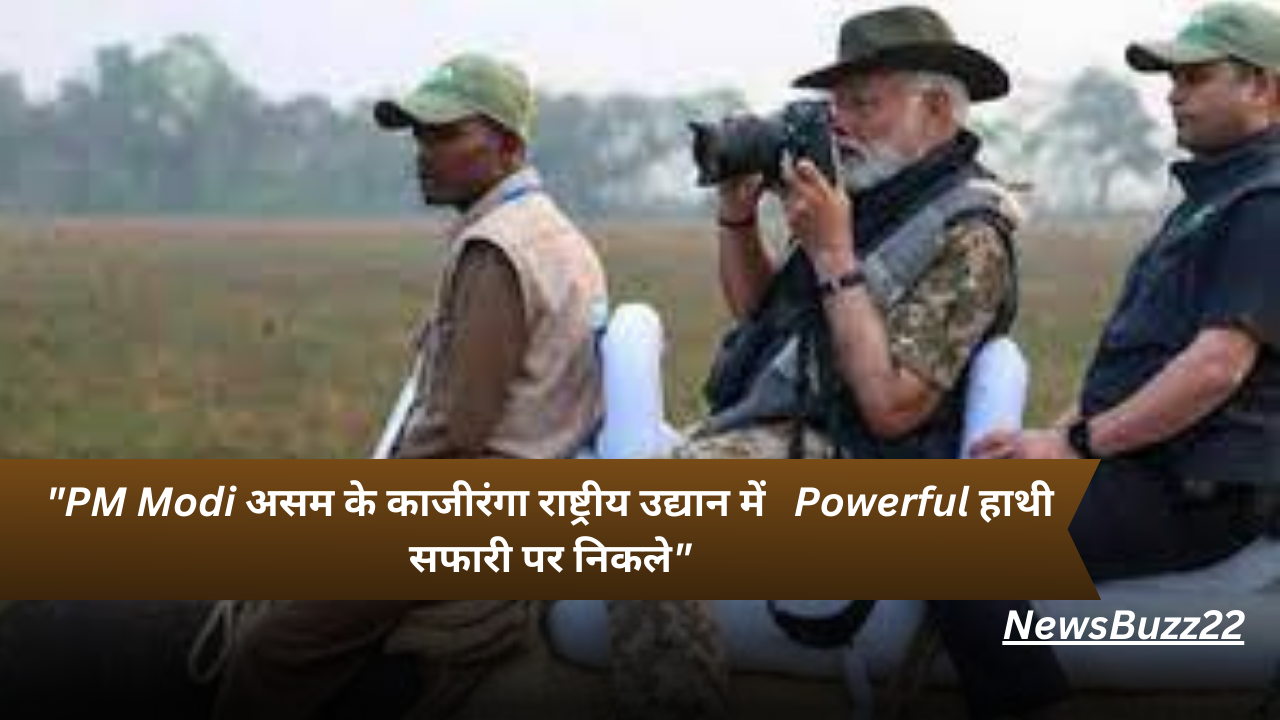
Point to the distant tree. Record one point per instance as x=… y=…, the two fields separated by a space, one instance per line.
x=175 y=130
x=616 y=154
x=1098 y=134
x=14 y=131
x=150 y=133
x=1010 y=146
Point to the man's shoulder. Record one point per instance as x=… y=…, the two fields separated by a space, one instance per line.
x=1247 y=200
x=983 y=200
x=976 y=247
x=480 y=254
x=1245 y=231
x=984 y=216
x=529 y=225
x=1259 y=207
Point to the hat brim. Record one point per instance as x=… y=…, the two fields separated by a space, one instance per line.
x=1158 y=57
x=984 y=78
x=423 y=108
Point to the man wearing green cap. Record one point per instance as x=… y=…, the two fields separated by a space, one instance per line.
x=507 y=368
x=508 y=364
x=1182 y=399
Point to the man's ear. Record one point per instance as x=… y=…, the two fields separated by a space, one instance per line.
x=1272 y=89
x=1264 y=84
x=511 y=143
x=938 y=115
x=939 y=103
x=509 y=146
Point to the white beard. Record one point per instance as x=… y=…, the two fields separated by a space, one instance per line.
x=866 y=166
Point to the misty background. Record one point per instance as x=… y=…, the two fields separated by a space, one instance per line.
x=149 y=107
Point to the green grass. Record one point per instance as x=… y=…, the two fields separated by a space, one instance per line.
x=163 y=339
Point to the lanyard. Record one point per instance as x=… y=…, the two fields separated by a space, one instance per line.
x=516 y=193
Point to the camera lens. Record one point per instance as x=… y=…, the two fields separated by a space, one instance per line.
x=737 y=147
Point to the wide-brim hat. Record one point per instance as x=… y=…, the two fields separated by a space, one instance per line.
x=909 y=38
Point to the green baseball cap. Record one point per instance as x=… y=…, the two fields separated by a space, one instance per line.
x=1247 y=31
x=466 y=86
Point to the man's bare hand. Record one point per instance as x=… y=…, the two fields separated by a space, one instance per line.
x=1026 y=445
x=740 y=198
x=820 y=218
x=998 y=445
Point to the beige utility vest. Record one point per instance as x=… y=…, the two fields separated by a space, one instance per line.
x=555 y=401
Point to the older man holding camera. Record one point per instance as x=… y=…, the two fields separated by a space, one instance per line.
x=858 y=342
x=892 y=281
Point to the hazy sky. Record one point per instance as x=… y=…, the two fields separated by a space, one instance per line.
x=350 y=48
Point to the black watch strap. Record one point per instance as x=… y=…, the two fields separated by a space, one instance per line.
x=1078 y=437
x=848 y=281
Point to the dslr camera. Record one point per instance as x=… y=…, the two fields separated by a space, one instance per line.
x=751 y=145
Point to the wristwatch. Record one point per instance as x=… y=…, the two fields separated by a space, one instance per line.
x=1078 y=437
x=832 y=286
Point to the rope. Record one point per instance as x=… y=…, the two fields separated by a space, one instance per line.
x=218 y=635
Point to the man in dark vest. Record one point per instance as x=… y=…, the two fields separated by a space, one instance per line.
x=1182 y=399
x=888 y=348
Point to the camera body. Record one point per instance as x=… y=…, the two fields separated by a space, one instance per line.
x=751 y=145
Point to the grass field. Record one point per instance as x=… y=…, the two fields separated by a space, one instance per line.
x=150 y=338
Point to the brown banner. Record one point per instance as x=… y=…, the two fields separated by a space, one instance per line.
x=116 y=544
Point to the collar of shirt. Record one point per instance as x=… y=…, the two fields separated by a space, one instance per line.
x=878 y=210
x=1202 y=177
x=516 y=186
